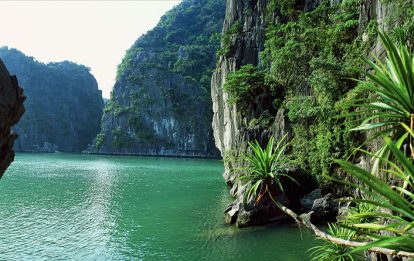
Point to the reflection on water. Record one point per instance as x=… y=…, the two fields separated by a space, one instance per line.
x=105 y=207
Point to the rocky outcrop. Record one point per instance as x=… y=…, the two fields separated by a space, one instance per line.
x=231 y=127
x=11 y=109
x=64 y=105
x=160 y=104
x=308 y=200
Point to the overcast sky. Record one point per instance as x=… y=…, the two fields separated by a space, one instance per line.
x=93 y=33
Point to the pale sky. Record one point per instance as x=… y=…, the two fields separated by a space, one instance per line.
x=92 y=33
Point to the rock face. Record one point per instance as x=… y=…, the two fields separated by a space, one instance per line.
x=160 y=104
x=244 y=39
x=230 y=127
x=11 y=109
x=324 y=209
x=308 y=200
x=64 y=105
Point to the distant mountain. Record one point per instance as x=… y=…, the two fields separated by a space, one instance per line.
x=63 y=106
x=161 y=103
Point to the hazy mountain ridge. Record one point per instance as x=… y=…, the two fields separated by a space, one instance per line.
x=64 y=105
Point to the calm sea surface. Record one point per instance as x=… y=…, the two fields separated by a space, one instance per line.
x=83 y=207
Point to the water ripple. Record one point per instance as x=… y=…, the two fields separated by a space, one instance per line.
x=81 y=207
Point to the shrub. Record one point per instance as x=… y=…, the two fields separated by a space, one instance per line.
x=265 y=167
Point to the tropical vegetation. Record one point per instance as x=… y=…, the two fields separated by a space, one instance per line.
x=391 y=112
x=387 y=219
x=265 y=167
x=391 y=222
x=382 y=220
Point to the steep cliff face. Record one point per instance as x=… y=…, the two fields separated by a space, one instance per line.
x=160 y=104
x=306 y=50
x=11 y=109
x=244 y=38
x=64 y=105
x=229 y=125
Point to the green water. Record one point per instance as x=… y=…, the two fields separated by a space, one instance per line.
x=83 y=207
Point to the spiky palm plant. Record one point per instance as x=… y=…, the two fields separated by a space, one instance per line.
x=393 y=208
x=264 y=170
x=330 y=251
x=393 y=82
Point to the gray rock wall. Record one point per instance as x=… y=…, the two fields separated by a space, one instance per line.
x=230 y=127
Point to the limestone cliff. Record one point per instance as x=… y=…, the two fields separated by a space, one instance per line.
x=160 y=104
x=229 y=126
x=306 y=48
x=64 y=104
x=11 y=109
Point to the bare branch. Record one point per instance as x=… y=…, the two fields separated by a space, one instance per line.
x=305 y=220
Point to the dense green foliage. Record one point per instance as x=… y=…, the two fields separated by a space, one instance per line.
x=391 y=207
x=63 y=106
x=244 y=84
x=400 y=18
x=227 y=37
x=312 y=58
x=163 y=82
x=383 y=216
x=185 y=41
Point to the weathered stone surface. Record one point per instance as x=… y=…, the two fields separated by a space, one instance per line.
x=308 y=200
x=343 y=210
x=231 y=213
x=11 y=109
x=324 y=209
x=229 y=127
